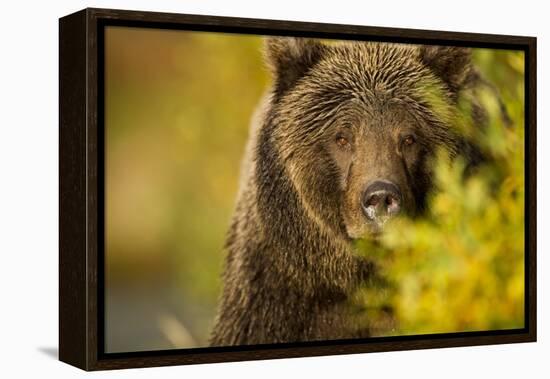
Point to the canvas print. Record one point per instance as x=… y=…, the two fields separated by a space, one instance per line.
x=274 y=190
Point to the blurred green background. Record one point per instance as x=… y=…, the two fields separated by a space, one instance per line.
x=177 y=107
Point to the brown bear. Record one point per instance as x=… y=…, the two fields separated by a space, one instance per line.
x=340 y=145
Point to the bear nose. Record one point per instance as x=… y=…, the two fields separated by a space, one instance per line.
x=381 y=198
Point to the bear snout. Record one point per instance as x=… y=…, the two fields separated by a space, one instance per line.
x=381 y=200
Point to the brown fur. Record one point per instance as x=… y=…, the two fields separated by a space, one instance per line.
x=290 y=267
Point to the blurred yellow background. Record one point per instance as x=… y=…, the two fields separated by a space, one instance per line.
x=177 y=108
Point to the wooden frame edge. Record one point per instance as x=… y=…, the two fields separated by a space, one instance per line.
x=72 y=189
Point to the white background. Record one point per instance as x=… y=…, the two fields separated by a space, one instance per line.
x=29 y=186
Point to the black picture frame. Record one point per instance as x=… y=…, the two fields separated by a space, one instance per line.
x=81 y=161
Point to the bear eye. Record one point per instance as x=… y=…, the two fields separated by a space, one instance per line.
x=342 y=141
x=409 y=140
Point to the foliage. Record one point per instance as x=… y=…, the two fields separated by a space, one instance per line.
x=460 y=266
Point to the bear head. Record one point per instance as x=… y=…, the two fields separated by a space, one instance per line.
x=356 y=124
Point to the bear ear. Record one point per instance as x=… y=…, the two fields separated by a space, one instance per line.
x=451 y=64
x=289 y=58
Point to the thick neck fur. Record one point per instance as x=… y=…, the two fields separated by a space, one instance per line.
x=286 y=279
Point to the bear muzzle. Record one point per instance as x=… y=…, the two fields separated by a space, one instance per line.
x=381 y=201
